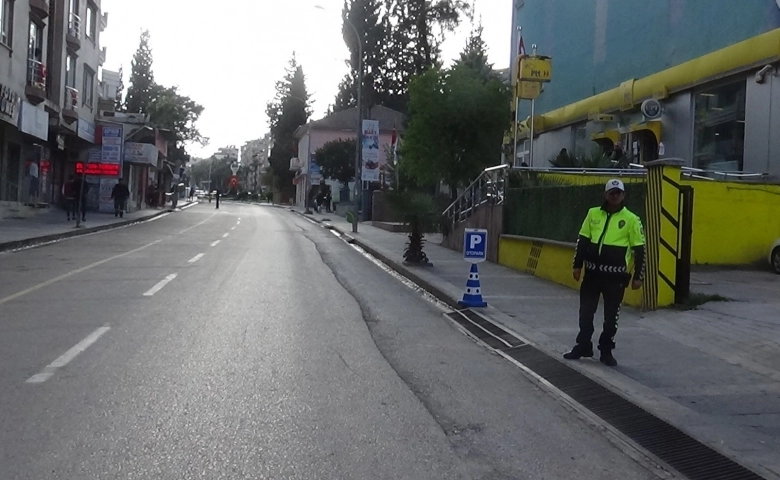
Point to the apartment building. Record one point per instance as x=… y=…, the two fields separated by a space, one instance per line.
x=254 y=161
x=50 y=59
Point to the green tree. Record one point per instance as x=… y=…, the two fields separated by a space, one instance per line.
x=141 y=77
x=337 y=160
x=373 y=27
x=457 y=122
x=118 y=104
x=286 y=112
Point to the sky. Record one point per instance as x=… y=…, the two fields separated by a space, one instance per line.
x=228 y=55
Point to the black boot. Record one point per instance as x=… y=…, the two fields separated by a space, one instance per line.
x=606 y=357
x=578 y=352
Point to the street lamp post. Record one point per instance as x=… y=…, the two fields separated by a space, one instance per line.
x=358 y=162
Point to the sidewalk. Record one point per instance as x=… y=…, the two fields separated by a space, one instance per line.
x=53 y=225
x=713 y=372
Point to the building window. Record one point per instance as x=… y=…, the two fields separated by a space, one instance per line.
x=91 y=22
x=6 y=22
x=89 y=86
x=74 y=19
x=719 y=127
x=70 y=71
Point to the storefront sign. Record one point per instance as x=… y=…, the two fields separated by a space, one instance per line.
x=314 y=170
x=111 y=145
x=9 y=105
x=370 y=151
x=34 y=121
x=141 y=153
x=99 y=169
x=537 y=69
x=86 y=130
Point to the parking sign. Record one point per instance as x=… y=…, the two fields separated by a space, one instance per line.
x=475 y=245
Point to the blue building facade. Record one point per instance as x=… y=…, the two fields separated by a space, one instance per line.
x=667 y=50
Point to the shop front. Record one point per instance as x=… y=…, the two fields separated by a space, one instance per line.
x=141 y=161
x=10 y=145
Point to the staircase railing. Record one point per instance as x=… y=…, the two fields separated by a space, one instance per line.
x=488 y=188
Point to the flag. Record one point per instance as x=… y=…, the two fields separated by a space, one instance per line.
x=521 y=46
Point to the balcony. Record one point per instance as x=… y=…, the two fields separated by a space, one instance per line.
x=40 y=8
x=103 y=21
x=70 y=105
x=73 y=36
x=35 y=89
x=102 y=56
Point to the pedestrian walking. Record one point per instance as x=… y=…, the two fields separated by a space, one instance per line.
x=120 y=193
x=82 y=191
x=610 y=236
x=69 y=195
x=216 y=194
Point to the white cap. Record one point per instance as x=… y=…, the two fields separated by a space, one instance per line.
x=615 y=184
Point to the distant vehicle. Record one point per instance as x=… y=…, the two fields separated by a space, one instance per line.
x=774 y=256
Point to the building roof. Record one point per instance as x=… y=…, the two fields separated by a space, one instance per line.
x=346 y=120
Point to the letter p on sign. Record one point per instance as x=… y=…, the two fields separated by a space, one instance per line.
x=475 y=245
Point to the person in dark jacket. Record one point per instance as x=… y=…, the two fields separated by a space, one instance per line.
x=610 y=237
x=82 y=189
x=120 y=193
x=69 y=195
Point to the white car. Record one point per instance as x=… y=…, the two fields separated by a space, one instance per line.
x=774 y=256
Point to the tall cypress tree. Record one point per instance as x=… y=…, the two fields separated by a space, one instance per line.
x=286 y=112
x=120 y=89
x=141 y=78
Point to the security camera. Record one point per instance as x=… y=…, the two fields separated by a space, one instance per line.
x=763 y=73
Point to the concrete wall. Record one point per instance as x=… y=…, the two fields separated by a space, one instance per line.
x=549 y=260
x=734 y=223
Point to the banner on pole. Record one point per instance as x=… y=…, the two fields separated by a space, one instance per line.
x=370 y=151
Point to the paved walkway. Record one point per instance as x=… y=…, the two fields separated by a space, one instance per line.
x=54 y=222
x=714 y=372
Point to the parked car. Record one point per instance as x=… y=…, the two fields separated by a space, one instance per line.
x=774 y=256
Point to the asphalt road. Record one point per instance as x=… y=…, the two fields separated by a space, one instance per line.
x=249 y=343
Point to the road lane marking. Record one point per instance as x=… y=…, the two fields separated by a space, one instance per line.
x=161 y=284
x=189 y=206
x=73 y=272
x=197 y=224
x=225 y=235
x=216 y=243
x=233 y=228
x=68 y=356
x=196 y=257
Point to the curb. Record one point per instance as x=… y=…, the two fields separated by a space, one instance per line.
x=395 y=265
x=36 y=241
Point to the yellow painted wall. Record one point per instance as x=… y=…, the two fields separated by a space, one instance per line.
x=733 y=223
x=551 y=261
x=583 y=179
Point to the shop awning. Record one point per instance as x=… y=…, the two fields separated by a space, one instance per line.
x=654 y=126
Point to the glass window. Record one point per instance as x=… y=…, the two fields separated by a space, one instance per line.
x=6 y=21
x=719 y=128
x=35 y=50
x=91 y=22
x=70 y=71
x=89 y=86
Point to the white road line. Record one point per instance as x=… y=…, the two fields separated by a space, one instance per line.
x=196 y=257
x=225 y=235
x=68 y=356
x=161 y=284
x=73 y=272
x=197 y=224
x=216 y=243
x=233 y=228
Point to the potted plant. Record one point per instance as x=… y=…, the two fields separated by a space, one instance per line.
x=420 y=214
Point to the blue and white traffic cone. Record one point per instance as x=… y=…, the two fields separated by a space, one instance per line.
x=473 y=296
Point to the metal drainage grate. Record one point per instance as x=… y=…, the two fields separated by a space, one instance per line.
x=682 y=452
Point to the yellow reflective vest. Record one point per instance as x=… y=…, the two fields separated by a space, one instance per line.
x=607 y=243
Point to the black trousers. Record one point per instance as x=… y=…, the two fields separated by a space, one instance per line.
x=594 y=286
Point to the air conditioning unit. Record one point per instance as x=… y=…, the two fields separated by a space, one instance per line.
x=296 y=164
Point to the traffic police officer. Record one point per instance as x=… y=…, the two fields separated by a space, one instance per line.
x=610 y=236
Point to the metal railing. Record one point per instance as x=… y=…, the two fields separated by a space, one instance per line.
x=639 y=170
x=74 y=25
x=489 y=188
x=71 y=99
x=36 y=74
